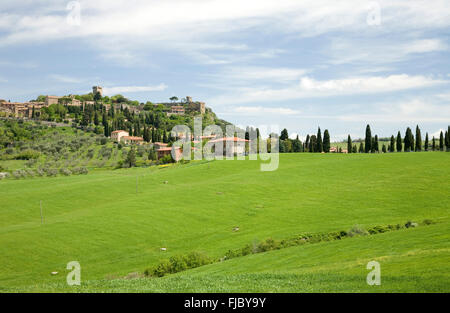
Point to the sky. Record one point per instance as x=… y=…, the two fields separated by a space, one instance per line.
x=296 y=64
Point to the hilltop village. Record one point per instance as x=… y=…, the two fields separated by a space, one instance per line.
x=33 y=108
x=124 y=121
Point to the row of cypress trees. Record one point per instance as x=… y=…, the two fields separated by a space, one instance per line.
x=407 y=144
x=313 y=143
x=370 y=144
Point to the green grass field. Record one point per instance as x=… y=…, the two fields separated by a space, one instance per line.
x=100 y=221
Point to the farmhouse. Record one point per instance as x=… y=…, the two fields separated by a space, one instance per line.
x=19 y=109
x=231 y=145
x=132 y=140
x=118 y=134
x=176 y=110
x=49 y=100
x=162 y=152
x=187 y=105
x=160 y=145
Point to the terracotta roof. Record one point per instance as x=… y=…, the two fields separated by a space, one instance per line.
x=119 y=131
x=235 y=139
x=133 y=138
x=167 y=149
x=160 y=143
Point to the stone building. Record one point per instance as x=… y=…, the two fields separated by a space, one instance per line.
x=132 y=140
x=176 y=110
x=118 y=134
x=196 y=106
x=98 y=89
x=49 y=100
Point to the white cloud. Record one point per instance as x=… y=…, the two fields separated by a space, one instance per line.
x=437 y=133
x=255 y=73
x=380 y=50
x=132 y=89
x=311 y=88
x=164 y=23
x=371 y=84
x=21 y=65
x=255 y=110
x=65 y=79
x=417 y=110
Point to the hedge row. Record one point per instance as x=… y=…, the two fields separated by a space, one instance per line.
x=195 y=259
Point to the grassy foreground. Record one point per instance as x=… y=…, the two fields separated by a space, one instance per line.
x=100 y=221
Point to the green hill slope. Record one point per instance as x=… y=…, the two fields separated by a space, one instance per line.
x=412 y=260
x=100 y=220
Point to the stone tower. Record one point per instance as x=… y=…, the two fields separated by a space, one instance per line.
x=98 y=89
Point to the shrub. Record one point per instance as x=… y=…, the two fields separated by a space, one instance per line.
x=166 y=159
x=4 y=175
x=9 y=150
x=247 y=250
x=19 y=174
x=31 y=162
x=51 y=172
x=267 y=245
x=27 y=155
x=357 y=231
x=40 y=172
x=411 y=224
x=30 y=173
x=65 y=171
x=178 y=263
x=377 y=230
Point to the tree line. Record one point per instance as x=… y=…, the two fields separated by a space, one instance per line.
x=370 y=144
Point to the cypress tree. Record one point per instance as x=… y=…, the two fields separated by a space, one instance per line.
x=106 y=130
x=441 y=141
x=104 y=119
x=434 y=144
x=319 y=143
x=376 y=148
x=384 y=148
x=418 y=139
x=284 y=134
x=131 y=157
x=368 y=141
x=312 y=143
x=355 y=149
x=96 y=121
x=426 y=142
x=409 y=141
x=307 y=143
x=349 y=144
x=326 y=141
x=392 y=145
x=447 y=141
x=448 y=138
x=146 y=139
x=361 y=147
x=399 y=142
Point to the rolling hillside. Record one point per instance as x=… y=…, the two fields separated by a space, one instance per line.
x=112 y=230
